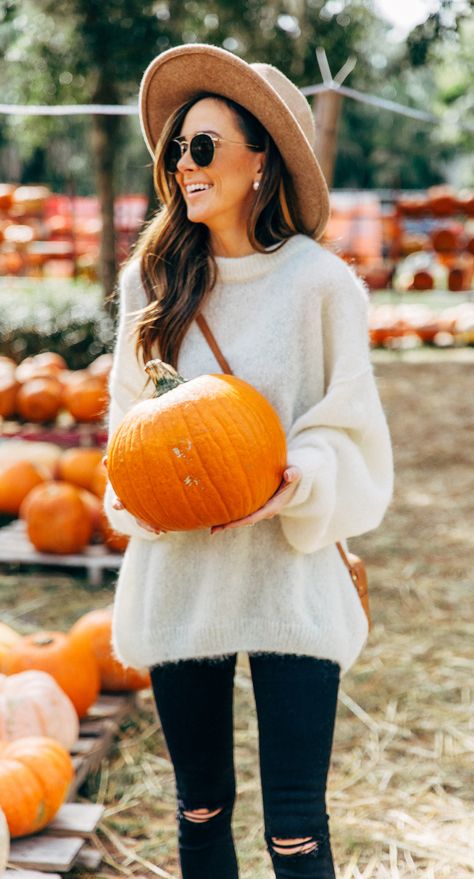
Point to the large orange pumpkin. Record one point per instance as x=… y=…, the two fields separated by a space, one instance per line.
x=94 y=630
x=202 y=452
x=39 y=399
x=86 y=399
x=71 y=664
x=77 y=465
x=17 y=479
x=57 y=518
x=35 y=775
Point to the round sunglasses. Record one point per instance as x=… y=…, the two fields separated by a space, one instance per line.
x=202 y=147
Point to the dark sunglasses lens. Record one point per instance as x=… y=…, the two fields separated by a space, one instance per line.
x=202 y=149
x=172 y=156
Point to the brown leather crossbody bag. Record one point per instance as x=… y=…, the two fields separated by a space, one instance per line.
x=353 y=563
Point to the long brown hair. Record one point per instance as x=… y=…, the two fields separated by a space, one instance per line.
x=177 y=266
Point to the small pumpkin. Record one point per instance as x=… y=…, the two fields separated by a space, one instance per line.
x=33 y=703
x=8 y=392
x=48 y=363
x=35 y=775
x=17 y=480
x=94 y=630
x=86 y=399
x=113 y=539
x=99 y=479
x=4 y=842
x=39 y=399
x=77 y=465
x=200 y=453
x=57 y=518
x=70 y=663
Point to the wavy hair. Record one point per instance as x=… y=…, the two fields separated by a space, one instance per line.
x=178 y=269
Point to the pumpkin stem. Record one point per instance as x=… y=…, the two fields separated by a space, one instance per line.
x=164 y=377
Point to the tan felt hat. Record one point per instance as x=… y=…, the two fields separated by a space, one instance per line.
x=177 y=75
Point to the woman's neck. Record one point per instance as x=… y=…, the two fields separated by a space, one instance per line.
x=231 y=243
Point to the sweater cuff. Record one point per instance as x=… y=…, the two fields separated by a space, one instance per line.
x=123 y=521
x=305 y=459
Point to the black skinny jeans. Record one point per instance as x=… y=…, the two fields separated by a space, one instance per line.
x=296 y=705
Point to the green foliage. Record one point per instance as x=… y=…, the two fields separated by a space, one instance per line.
x=61 y=316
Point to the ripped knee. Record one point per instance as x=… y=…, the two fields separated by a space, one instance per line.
x=200 y=816
x=299 y=846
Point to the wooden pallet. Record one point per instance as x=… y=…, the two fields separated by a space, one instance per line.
x=64 y=432
x=67 y=841
x=15 y=548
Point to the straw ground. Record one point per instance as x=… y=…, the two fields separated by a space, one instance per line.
x=402 y=770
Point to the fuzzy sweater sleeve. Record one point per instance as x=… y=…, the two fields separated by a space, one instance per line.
x=341 y=444
x=128 y=384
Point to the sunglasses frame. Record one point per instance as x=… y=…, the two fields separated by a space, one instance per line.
x=216 y=139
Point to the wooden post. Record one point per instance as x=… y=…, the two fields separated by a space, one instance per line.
x=327 y=111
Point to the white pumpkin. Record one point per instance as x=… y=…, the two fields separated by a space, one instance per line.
x=33 y=704
x=4 y=842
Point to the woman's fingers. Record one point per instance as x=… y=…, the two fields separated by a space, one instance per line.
x=285 y=491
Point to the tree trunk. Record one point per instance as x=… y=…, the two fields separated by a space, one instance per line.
x=104 y=143
x=327 y=113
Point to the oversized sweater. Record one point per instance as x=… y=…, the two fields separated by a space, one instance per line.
x=292 y=322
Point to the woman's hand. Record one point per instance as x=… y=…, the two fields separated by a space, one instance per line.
x=291 y=479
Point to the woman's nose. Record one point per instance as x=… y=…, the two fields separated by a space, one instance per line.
x=186 y=160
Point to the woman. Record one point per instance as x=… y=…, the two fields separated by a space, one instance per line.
x=244 y=202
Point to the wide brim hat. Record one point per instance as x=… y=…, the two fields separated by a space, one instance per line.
x=178 y=75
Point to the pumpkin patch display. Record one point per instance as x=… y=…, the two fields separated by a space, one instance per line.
x=71 y=663
x=35 y=775
x=33 y=703
x=94 y=630
x=201 y=452
x=57 y=518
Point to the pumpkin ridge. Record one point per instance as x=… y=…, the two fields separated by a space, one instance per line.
x=135 y=488
x=196 y=450
x=254 y=415
x=263 y=422
x=158 y=503
x=235 y=455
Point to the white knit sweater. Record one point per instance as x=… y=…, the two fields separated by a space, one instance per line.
x=292 y=322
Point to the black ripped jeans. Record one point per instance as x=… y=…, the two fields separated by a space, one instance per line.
x=296 y=705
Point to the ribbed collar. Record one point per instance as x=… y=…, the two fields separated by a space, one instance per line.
x=246 y=268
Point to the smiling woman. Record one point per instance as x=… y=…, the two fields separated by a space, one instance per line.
x=234 y=246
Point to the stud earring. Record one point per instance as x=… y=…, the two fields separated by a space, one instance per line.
x=256 y=184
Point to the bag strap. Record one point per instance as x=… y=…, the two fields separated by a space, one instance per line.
x=212 y=342
x=214 y=346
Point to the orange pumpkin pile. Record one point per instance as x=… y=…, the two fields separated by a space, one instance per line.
x=41 y=387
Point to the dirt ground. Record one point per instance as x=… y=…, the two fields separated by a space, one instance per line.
x=401 y=780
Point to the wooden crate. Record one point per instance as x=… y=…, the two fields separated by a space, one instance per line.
x=15 y=548
x=67 y=841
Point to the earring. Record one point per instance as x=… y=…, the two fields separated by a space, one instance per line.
x=256 y=184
